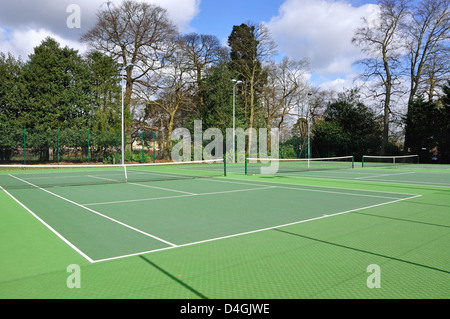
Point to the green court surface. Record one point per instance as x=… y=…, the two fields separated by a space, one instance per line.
x=300 y=235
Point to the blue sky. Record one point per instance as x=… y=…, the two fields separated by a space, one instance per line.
x=319 y=30
x=218 y=17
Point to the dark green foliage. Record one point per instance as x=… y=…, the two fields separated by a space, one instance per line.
x=57 y=145
x=428 y=128
x=56 y=89
x=12 y=90
x=348 y=128
x=443 y=135
x=57 y=80
x=106 y=90
x=246 y=63
x=216 y=90
x=244 y=47
x=288 y=150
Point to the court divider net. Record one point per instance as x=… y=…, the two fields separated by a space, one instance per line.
x=389 y=161
x=274 y=166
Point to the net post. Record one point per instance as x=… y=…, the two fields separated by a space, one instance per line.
x=225 y=167
x=246 y=166
x=353 y=162
x=362 y=161
x=57 y=146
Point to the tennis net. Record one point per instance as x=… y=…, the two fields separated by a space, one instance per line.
x=389 y=161
x=272 y=166
x=44 y=176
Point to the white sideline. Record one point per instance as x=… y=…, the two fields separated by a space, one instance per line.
x=48 y=226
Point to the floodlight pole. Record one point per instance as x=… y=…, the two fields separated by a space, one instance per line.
x=123 y=82
x=234 y=116
x=309 y=126
x=122 y=125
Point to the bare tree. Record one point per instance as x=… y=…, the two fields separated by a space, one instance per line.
x=436 y=73
x=428 y=34
x=286 y=84
x=428 y=52
x=168 y=93
x=202 y=51
x=135 y=34
x=383 y=41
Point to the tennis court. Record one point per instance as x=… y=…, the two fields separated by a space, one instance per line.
x=215 y=232
x=411 y=176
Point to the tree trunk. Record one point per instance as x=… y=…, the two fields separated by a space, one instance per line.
x=385 y=138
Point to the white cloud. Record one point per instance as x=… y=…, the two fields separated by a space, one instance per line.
x=337 y=85
x=320 y=30
x=21 y=42
x=25 y=23
x=181 y=12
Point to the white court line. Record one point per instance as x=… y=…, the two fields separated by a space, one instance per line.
x=179 y=196
x=227 y=180
x=256 y=230
x=319 y=191
x=162 y=188
x=296 y=188
x=383 y=175
x=241 y=190
x=55 y=177
x=48 y=226
x=435 y=184
x=400 y=182
x=149 y=186
x=95 y=212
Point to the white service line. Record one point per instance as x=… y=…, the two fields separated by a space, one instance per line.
x=383 y=175
x=226 y=180
x=316 y=190
x=149 y=186
x=258 y=230
x=367 y=179
x=165 y=189
x=179 y=196
x=95 y=212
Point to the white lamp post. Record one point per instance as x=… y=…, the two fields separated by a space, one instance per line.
x=122 y=125
x=123 y=83
x=309 y=126
x=234 y=115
